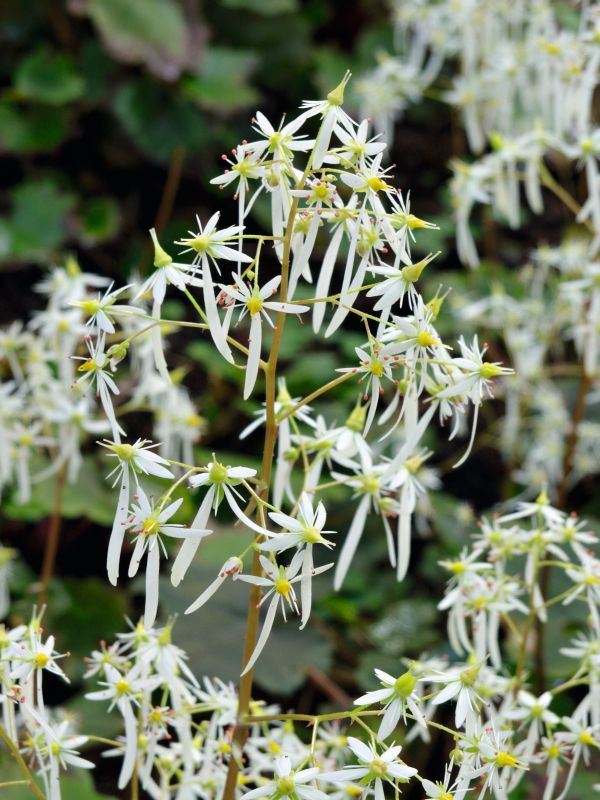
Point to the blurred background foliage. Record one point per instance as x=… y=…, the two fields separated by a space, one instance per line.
x=113 y=116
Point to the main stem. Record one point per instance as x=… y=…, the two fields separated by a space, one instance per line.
x=245 y=692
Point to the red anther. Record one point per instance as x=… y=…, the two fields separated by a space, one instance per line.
x=244 y=141
x=360 y=380
x=233 y=150
x=224 y=157
x=395 y=383
x=235 y=197
x=365 y=396
x=381 y=391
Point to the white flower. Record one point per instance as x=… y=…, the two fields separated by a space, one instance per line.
x=460 y=685
x=356 y=148
x=246 y=166
x=102 y=308
x=278 y=581
x=220 y=481
x=279 y=143
x=254 y=301
x=332 y=113
x=304 y=532
x=96 y=370
x=475 y=381
x=288 y=783
x=148 y=523
x=374 y=768
x=397 y=695
x=210 y=244
x=133 y=459
x=166 y=271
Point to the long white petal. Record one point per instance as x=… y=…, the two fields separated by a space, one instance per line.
x=187 y=551
x=351 y=542
x=264 y=634
x=152 y=570
x=212 y=315
x=253 y=355
x=131 y=737
x=118 y=529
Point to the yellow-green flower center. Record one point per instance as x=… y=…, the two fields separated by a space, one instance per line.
x=378 y=768
x=41 y=660
x=254 y=304
x=286 y=785
x=504 y=759
x=283 y=586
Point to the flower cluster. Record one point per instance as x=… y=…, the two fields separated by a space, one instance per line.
x=28 y=725
x=524 y=83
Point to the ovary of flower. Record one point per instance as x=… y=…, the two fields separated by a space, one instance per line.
x=166 y=271
x=288 y=784
x=373 y=768
x=398 y=281
x=304 y=533
x=255 y=302
x=278 y=582
x=132 y=459
x=332 y=114
x=397 y=695
x=148 y=523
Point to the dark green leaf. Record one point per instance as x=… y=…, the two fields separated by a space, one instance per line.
x=159 y=121
x=28 y=130
x=49 y=77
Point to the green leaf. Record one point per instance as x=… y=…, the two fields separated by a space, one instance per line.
x=49 y=77
x=36 y=223
x=90 y=497
x=213 y=636
x=158 y=121
x=407 y=627
x=265 y=7
x=99 y=219
x=143 y=31
x=221 y=83
x=92 y=611
x=29 y=130
x=76 y=784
